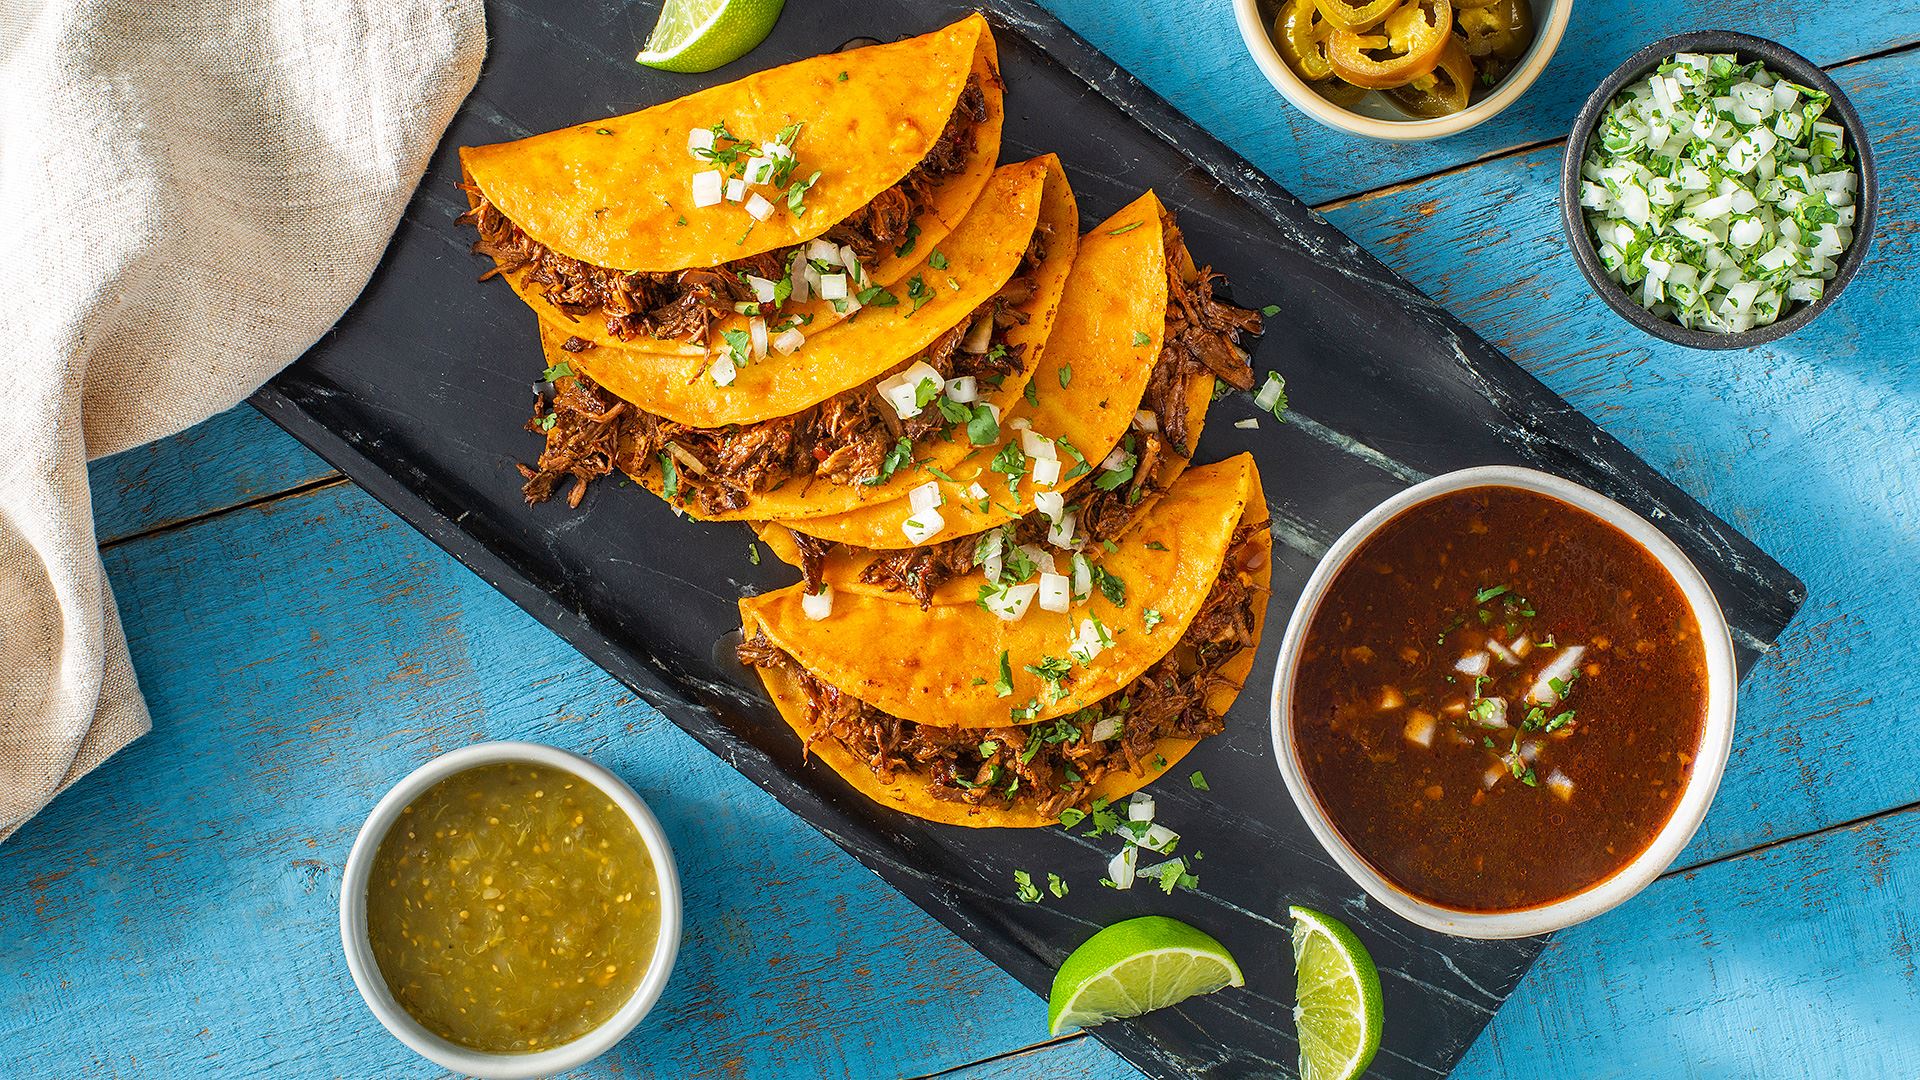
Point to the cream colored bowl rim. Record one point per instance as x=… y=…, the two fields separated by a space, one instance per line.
x=1716 y=736
x=460 y=1059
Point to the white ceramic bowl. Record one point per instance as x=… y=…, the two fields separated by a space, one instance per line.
x=373 y=987
x=1375 y=118
x=1716 y=736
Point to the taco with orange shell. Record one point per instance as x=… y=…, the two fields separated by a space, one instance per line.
x=976 y=717
x=776 y=197
x=915 y=382
x=1118 y=401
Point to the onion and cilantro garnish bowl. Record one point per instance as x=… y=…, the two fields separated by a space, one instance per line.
x=1718 y=191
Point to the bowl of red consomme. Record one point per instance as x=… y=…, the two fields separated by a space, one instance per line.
x=1504 y=702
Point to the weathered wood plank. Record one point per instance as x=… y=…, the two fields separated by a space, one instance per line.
x=1192 y=55
x=1807 y=445
x=176 y=912
x=1795 y=962
x=228 y=460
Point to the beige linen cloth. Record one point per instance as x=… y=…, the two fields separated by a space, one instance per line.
x=191 y=192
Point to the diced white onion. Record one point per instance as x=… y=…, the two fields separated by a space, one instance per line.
x=723 y=370
x=1563 y=664
x=1053 y=593
x=992 y=555
x=699 y=139
x=964 y=390
x=817 y=606
x=1082 y=577
x=1391 y=698
x=1158 y=838
x=1120 y=868
x=1051 y=504
x=1269 y=393
x=736 y=189
x=1038 y=446
x=833 y=286
x=1115 y=460
x=757 y=337
x=1420 y=727
x=788 y=341
x=1492 y=713
x=925 y=497
x=763 y=290
x=823 y=251
x=707 y=186
x=1041 y=556
x=1505 y=654
x=902 y=389
x=1472 y=664
x=1140 y=807
x=1105 y=728
x=759 y=170
x=1559 y=784
x=1251 y=423
x=1521 y=646
x=1019 y=423
x=975 y=491
x=1062 y=533
x=923 y=526
x=1046 y=473
x=1011 y=604
x=759 y=209
x=1146 y=420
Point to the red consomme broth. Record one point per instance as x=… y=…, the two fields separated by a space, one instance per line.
x=1499 y=700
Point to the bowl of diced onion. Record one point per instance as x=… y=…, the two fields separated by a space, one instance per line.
x=1718 y=191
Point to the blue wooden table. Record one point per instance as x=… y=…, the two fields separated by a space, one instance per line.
x=301 y=649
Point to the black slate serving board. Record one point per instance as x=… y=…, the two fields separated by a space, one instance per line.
x=420 y=393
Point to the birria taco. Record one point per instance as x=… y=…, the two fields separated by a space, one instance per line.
x=658 y=231
x=916 y=382
x=1117 y=405
x=962 y=715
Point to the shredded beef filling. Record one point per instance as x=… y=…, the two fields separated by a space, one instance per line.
x=852 y=437
x=1202 y=336
x=684 y=304
x=1053 y=764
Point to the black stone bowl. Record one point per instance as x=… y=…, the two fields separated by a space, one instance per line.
x=1780 y=60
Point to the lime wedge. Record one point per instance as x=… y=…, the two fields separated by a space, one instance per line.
x=1135 y=967
x=700 y=35
x=1337 y=988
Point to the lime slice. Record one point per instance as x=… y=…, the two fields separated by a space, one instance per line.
x=1337 y=1011
x=1135 y=967
x=700 y=35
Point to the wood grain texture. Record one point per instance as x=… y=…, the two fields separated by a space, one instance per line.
x=176 y=913
x=228 y=460
x=1190 y=52
x=141 y=956
x=1808 y=445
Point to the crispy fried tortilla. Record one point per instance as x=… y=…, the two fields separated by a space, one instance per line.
x=1126 y=277
x=904 y=704
x=828 y=455
x=595 y=225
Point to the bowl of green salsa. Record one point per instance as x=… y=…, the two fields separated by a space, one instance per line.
x=510 y=910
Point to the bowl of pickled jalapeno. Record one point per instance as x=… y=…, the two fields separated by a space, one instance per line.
x=1402 y=69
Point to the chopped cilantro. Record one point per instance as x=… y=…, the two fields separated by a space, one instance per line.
x=1003 y=686
x=1127 y=228
x=797 y=193
x=546 y=422
x=669 y=476
x=1032 y=394
x=1151 y=619
x=901 y=454
x=1023 y=883
x=982 y=428
x=1111 y=587
x=1159 y=761
x=918 y=292
x=989 y=748
x=1485 y=595
x=1066 y=373
x=1198 y=781
x=937 y=260
x=739 y=346
x=556 y=372
x=1155 y=545
x=1270 y=310
x=876 y=296
x=913 y=229
x=1140 y=337
x=1056 y=886
x=1071 y=817
x=602 y=131
x=753 y=554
